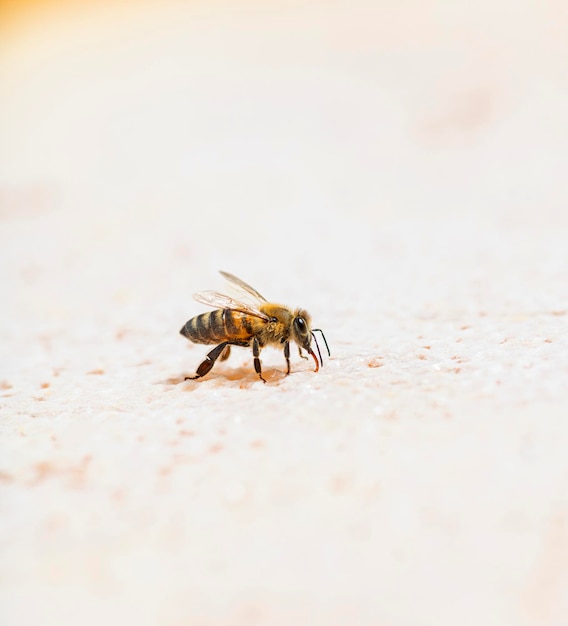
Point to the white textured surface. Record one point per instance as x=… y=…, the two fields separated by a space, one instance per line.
x=405 y=181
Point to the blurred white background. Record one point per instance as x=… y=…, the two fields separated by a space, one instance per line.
x=365 y=108
x=214 y=133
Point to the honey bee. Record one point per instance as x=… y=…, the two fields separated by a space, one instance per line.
x=238 y=323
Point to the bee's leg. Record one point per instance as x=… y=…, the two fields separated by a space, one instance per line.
x=300 y=353
x=209 y=361
x=256 y=354
x=287 y=356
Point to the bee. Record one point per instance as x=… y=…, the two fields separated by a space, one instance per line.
x=238 y=323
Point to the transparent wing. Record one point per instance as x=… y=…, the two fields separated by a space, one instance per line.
x=221 y=301
x=242 y=285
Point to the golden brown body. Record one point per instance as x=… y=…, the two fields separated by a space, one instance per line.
x=241 y=324
x=230 y=325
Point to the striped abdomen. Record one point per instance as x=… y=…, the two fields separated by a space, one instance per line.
x=218 y=326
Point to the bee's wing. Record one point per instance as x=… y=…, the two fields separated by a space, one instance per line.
x=241 y=283
x=221 y=301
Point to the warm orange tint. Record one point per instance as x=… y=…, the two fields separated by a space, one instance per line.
x=15 y=11
x=15 y=14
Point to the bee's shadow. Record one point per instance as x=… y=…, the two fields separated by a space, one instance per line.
x=228 y=377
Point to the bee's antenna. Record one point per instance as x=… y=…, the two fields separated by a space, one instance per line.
x=324 y=339
x=317 y=346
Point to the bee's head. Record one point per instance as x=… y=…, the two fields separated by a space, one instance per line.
x=301 y=329
x=302 y=334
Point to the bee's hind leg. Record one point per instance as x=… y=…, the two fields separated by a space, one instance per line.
x=209 y=361
x=256 y=355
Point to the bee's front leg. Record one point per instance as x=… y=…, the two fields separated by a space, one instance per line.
x=209 y=361
x=256 y=355
x=287 y=356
